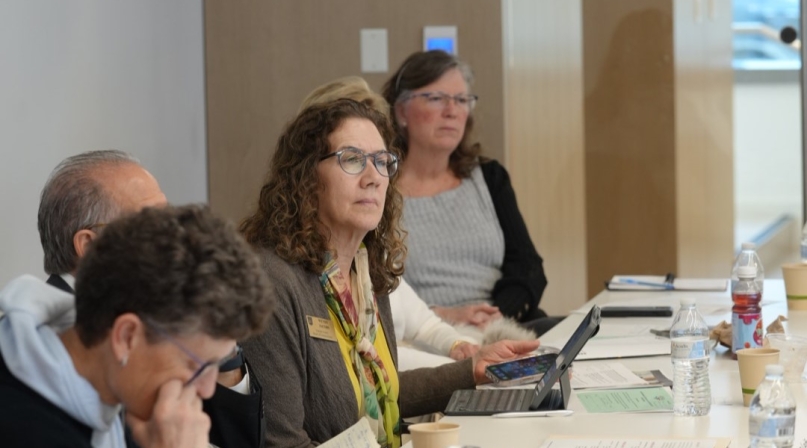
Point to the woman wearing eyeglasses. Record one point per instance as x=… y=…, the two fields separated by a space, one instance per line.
x=327 y=227
x=470 y=254
x=161 y=298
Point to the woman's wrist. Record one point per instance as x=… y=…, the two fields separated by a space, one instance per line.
x=456 y=344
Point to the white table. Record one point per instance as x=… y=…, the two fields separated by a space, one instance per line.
x=727 y=418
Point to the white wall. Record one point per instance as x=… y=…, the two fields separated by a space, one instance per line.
x=767 y=154
x=95 y=74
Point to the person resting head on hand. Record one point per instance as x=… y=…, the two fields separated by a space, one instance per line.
x=161 y=296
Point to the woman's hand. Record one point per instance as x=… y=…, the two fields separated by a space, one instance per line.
x=499 y=352
x=477 y=315
x=463 y=350
x=177 y=420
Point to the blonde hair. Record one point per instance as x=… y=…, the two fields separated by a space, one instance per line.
x=351 y=87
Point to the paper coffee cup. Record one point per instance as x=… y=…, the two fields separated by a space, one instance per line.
x=795 y=275
x=752 y=362
x=434 y=435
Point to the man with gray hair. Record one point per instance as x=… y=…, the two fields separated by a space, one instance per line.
x=83 y=194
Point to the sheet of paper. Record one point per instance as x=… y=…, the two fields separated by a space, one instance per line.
x=622 y=329
x=357 y=436
x=624 y=347
x=656 y=283
x=650 y=399
x=613 y=374
x=614 y=442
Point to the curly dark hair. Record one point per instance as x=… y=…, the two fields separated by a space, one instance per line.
x=287 y=218
x=180 y=268
x=421 y=69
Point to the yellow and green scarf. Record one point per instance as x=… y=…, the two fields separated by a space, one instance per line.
x=358 y=317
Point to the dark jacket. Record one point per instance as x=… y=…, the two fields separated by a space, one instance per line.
x=518 y=292
x=25 y=413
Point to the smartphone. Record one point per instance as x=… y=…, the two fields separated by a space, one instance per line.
x=636 y=311
x=520 y=371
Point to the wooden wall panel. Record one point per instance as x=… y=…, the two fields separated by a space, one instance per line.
x=544 y=135
x=630 y=138
x=704 y=137
x=658 y=114
x=263 y=57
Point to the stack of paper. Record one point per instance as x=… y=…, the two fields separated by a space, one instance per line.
x=612 y=387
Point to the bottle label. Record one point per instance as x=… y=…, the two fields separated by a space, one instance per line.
x=746 y=330
x=691 y=347
x=784 y=426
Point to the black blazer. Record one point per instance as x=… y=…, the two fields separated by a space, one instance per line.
x=236 y=419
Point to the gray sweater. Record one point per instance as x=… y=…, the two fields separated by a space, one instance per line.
x=307 y=391
x=456 y=245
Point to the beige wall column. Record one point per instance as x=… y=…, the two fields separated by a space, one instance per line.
x=544 y=138
x=658 y=138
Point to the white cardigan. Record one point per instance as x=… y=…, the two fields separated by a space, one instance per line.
x=423 y=330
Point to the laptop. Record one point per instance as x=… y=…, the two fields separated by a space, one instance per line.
x=543 y=397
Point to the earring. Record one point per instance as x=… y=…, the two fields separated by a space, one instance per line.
x=124 y=361
x=403 y=124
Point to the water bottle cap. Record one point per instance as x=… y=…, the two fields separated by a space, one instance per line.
x=747 y=271
x=749 y=246
x=774 y=369
x=687 y=301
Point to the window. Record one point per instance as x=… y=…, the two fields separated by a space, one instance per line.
x=757 y=24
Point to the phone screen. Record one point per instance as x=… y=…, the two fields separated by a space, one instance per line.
x=519 y=368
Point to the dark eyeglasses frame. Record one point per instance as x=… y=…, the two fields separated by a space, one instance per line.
x=203 y=365
x=392 y=168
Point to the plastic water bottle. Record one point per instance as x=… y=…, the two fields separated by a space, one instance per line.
x=772 y=414
x=748 y=257
x=690 y=348
x=804 y=244
x=746 y=314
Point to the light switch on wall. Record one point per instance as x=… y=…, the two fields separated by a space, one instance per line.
x=374 y=54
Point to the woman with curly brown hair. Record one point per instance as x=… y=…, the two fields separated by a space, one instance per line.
x=471 y=256
x=327 y=227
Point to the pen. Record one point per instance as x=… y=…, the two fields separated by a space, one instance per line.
x=631 y=281
x=669 y=279
x=561 y=413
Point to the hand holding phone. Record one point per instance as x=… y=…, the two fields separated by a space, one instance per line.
x=520 y=371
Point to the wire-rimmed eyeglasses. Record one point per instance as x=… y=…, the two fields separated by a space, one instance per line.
x=440 y=100
x=353 y=160
x=204 y=366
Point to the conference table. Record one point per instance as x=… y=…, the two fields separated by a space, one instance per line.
x=728 y=417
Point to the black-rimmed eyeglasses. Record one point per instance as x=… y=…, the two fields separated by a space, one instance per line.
x=353 y=160
x=204 y=366
x=440 y=100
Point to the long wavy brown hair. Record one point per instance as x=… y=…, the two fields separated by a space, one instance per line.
x=287 y=218
x=421 y=69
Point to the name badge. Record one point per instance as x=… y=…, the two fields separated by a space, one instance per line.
x=321 y=328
